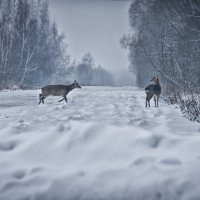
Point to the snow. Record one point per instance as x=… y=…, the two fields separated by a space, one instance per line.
x=104 y=144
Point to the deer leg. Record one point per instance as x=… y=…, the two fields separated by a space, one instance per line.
x=61 y=100
x=40 y=98
x=146 y=101
x=157 y=100
x=65 y=97
x=155 y=97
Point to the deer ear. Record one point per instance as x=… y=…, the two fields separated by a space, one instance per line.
x=74 y=81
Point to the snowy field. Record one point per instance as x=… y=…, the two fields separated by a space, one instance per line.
x=103 y=145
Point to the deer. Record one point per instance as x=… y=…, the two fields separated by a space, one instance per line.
x=153 y=89
x=57 y=90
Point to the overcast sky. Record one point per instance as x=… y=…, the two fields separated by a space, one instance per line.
x=94 y=26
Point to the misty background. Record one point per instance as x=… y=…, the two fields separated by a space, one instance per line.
x=95 y=26
x=56 y=42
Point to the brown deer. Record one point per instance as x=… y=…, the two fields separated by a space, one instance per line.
x=153 y=89
x=57 y=90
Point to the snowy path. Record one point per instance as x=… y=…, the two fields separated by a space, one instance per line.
x=104 y=144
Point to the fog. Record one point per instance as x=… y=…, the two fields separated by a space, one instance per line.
x=95 y=26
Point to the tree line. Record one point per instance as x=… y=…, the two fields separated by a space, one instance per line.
x=165 y=40
x=32 y=51
x=87 y=73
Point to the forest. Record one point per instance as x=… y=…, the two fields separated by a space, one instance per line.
x=165 y=40
x=33 y=52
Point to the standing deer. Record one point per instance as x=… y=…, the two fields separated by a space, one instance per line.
x=153 y=89
x=57 y=90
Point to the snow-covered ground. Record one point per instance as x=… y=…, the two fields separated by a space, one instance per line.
x=103 y=145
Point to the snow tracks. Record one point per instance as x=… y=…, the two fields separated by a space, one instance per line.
x=104 y=144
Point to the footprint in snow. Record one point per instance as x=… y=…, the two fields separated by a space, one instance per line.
x=9 y=185
x=21 y=121
x=143 y=160
x=154 y=141
x=7 y=146
x=19 y=174
x=36 y=170
x=62 y=128
x=158 y=113
x=22 y=124
x=170 y=161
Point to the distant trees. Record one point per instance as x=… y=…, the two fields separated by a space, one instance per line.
x=32 y=52
x=86 y=73
x=165 y=40
x=84 y=70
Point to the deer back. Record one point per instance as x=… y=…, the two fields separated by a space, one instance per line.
x=55 y=90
